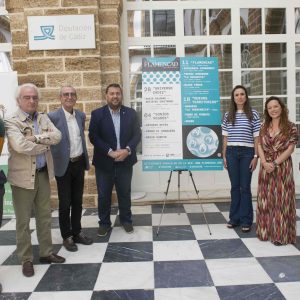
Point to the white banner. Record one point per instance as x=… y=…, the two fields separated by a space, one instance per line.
x=61 y=32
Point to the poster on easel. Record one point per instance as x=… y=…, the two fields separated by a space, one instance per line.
x=8 y=85
x=181 y=118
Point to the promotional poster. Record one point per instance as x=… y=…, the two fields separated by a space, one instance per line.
x=181 y=114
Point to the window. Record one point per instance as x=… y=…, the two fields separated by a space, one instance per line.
x=297 y=20
x=252 y=44
x=275 y=21
x=163 y=23
x=195 y=22
x=219 y=21
x=138 y=23
x=250 y=21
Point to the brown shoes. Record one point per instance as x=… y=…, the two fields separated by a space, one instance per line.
x=52 y=258
x=80 y=238
x=27 y=269
x=69 y=244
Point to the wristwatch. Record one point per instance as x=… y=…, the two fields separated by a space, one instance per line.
x=128 y=149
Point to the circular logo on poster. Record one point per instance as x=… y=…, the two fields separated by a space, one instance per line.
x=202 y=141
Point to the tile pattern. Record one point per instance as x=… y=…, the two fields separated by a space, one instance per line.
x=184 y=260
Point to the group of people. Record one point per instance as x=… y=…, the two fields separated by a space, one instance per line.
x=42 y=146
x=245 y=140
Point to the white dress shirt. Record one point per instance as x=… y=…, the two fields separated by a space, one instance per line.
x=74 y=134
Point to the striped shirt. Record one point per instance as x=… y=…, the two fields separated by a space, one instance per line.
x=243 y=132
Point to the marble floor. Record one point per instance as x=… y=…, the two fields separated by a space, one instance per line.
x=182 y=262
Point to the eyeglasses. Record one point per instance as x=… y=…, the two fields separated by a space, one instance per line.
x=27 y=98
x=69 y=94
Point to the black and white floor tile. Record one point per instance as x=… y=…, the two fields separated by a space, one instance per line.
x=185 y=261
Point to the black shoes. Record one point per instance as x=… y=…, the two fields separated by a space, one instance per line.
x=103 y=231
x=70 y=245
x=52 y=258
x=128 y=227
x=80 y=238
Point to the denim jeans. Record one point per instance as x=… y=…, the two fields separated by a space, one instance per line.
x=120 y=176
x=238 y=162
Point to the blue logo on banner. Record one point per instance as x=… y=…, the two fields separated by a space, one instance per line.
x=47 y=32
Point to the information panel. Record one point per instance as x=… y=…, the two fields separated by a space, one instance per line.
x=181 y=114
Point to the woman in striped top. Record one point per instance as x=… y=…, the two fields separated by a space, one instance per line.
x=240 y=130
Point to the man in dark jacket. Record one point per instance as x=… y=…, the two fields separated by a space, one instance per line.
x=115 y=132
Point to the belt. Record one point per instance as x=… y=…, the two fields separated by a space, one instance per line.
x=42 y=169
x=77 y=158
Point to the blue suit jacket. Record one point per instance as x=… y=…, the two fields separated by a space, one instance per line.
x=61 y=151
x=102 y=135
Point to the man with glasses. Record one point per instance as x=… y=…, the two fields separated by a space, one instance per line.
x=70 y=162
x=30 y=166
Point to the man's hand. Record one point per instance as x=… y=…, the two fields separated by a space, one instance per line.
x=113 y=154
x=118 y=155
x=30 y=138
x=122 y=154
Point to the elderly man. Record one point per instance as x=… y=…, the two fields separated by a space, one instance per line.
x=30 y=167
x=70 y=162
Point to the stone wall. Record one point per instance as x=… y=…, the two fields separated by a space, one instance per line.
x=88 y=70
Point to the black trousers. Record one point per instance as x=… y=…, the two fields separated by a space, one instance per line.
x=70 y=191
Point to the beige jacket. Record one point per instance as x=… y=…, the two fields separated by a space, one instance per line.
x=22 y=152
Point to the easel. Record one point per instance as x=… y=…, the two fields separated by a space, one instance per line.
x=179 y=172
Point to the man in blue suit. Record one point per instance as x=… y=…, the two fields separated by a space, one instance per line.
x=115 y=132
x=70 y=159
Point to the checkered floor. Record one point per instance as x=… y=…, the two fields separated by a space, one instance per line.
x=183 y=262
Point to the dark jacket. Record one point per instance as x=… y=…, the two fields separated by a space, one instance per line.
x=102 y=135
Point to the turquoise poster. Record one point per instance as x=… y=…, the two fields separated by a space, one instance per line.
x=181 y=118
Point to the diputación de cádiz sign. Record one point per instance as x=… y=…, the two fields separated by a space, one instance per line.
x=61 y=32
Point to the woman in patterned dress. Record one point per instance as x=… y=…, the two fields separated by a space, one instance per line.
x=276 y=207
